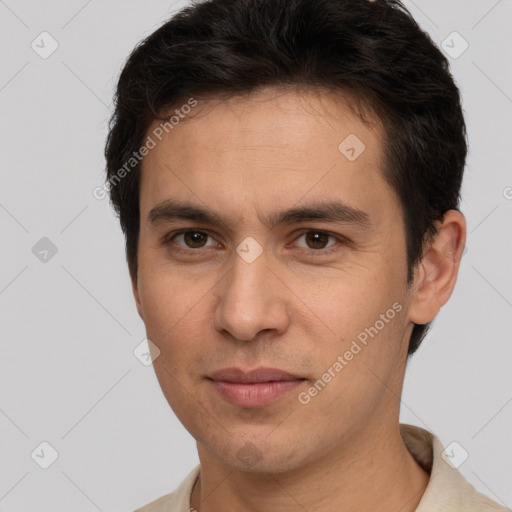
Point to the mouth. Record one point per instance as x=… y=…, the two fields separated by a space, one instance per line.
x=255 y=376
x=254 y=388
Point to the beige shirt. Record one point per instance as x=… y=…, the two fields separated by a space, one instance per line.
x=447 y=490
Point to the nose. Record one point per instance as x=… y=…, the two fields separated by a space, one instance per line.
x=251 y=300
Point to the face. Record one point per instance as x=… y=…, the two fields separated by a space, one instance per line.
x=264 y=243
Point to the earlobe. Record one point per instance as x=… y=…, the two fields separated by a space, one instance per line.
x=435 y=276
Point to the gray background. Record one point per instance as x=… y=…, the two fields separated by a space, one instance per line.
x=69 y=325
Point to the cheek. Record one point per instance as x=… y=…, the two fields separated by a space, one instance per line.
x=362 y=320
x=347 y=300
x=361 y=369
x=166 y=303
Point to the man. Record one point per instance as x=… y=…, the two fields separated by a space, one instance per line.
x=287 y=175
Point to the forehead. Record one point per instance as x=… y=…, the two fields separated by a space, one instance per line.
x=272 y=146
x=262 y=115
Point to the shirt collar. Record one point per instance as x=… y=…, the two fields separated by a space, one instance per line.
x=447 y=489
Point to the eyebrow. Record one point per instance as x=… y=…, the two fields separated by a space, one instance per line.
x=326 y=211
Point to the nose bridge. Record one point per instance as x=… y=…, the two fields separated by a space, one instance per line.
x=249 y=300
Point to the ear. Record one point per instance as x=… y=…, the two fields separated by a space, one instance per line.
x=436 y=274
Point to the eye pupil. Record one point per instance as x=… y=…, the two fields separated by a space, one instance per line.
x=195 y=238
x=317 y=239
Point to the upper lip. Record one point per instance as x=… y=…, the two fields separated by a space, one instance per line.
x=252 y=376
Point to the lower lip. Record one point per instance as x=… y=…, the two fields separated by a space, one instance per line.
x=256 y=394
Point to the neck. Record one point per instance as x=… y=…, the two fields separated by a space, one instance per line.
x=372 y=471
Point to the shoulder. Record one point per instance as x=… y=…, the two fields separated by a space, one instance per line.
x=447 y=489
x=176 y=501
x=159 y=505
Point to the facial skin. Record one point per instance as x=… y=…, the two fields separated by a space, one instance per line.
x=296 y=307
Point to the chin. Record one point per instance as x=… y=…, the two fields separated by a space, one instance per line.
x=263 y=456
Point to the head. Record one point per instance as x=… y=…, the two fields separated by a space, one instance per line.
x=314 y=150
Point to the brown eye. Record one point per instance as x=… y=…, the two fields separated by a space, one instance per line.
x=315 y=240
x=190 y=239
x=195 y=239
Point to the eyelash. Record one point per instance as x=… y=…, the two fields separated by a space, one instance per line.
x=169 y=239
